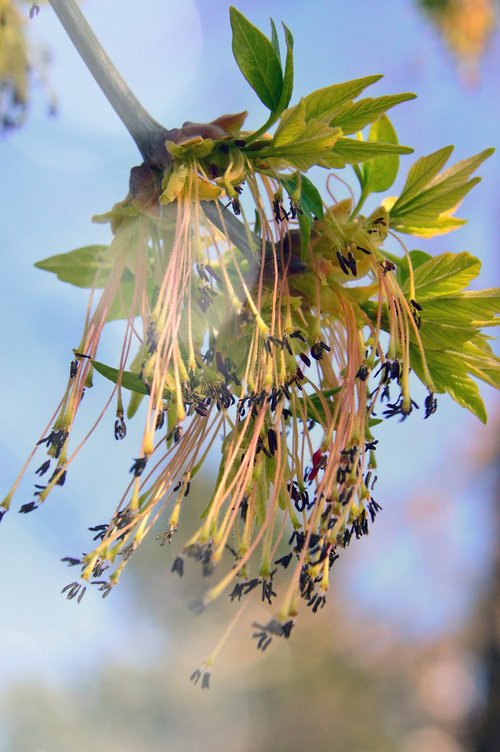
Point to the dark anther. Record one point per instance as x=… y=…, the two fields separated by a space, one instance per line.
x=273 y=442
x=320 y=601
x=373 y=508
x=29 y=507
x=387 y=266
x=244 y=508
x=235 y=203
x=287 y=344
x=305 y=359
x=317 y=350
x=201 y=272
x=100 y=531
x=237 y=592
x=284 y=561
x=343 y=263
x=120 y=428
x=416 y=305
x=177 y=434
x=297 y=334
x=267 y=591
x=364 y=250
x=43 y=468
x=72 y=590
x=61 y=477
x=351 y=263
x=160 y=420
x=138 y=466
x=187 y=489
x=213 y=274
x=196 y=675
x=430 y=405
x=178 y=566
x=205 y=680
x=363 y=373
x=71 y=561
x=73 y=369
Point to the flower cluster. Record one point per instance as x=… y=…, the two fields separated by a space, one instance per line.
x=272 y=330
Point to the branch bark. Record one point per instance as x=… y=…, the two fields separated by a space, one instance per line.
x=148 y=134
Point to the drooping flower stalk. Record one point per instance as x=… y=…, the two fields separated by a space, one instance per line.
x=266 y=326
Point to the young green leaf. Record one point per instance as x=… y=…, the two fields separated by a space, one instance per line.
x=129 y=380
x=440 y=225
x=275 y=39
x=420 y=175
x=438 y=195
x=299 y=143
x=417 y=258
x=286 y=92
x=449 y=374
x=353 y=116
x=478 y=308
x=257 y=60
x=445 y=274
x=380 y=173
x=351 y=150
x=310 y=198
x=84 y=267
x=323 y=103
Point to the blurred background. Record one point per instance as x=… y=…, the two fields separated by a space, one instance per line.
x=406 y=655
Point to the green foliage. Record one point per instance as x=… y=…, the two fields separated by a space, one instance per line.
x=257 y=59
x=84 y=267
x=427 y=196
x=381 y=172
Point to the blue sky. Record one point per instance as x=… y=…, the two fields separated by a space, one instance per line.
x=58 y=172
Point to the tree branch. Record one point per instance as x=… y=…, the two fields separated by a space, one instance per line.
x=148 y=134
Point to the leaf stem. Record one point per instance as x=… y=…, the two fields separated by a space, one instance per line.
x=147 y=133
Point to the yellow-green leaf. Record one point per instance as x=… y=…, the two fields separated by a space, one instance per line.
x=323 y=103
x=380 y=173
x=443 y=275
x=354 y=116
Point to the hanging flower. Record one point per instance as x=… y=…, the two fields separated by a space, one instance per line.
x=262 y=322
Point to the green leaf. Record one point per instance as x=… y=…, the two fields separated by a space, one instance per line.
x=286 y=92
x=430 y=204
x=129 y=380
x=298 y=143
x=380 y=173
x=310 y=198
x=275 y=39
x=323 y=103
x=433 y=194
x=443 y=335
x=420 y=174
x=443 y=275
x=417 y=259
x=353 y=116
x=257 y=60
x=351 y=150
x=477 y=308
x=84 y=267
x=449 y=374
x=439 y=225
